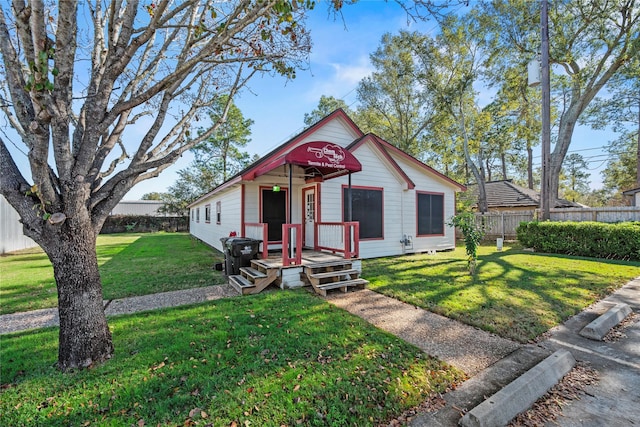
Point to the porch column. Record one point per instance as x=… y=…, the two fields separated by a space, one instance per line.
x=349 y=201
x=291 y=250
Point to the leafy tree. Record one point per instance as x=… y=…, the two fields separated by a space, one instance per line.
x=75 y=77
x=620 y=111
x=154 y=195
x=220 y=153
x=575 y=178
x=216 y=158
x=393 y=103
x=620 y=173
x=590 y=41
x=472 y=234
x=452 y=63
x=326 y=106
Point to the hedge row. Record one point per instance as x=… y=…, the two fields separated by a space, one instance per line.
x=144 y=224
x=591 y=239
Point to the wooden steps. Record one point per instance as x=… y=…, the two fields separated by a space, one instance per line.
x=254 y=279
x=325 y=276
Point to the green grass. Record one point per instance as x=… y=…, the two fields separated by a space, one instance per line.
x=130 y=265
x=516 y=294
x=278 y=358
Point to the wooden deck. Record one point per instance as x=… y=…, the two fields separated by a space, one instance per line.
x=321 y=270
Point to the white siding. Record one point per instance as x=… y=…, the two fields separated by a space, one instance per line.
x=427 y=183
x=11 y=236
x=212 y=232
x=399 y=203
x=336 y=131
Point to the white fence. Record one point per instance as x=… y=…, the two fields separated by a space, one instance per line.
x=11 y=237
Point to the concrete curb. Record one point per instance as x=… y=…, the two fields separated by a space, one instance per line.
x=520 y=394
x=597 y=329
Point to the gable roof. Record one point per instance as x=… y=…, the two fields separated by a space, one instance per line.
x=386 y=149
x=249 y=172
x=506 y=194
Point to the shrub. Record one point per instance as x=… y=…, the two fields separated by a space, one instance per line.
x=144 y=224
x=592 y=239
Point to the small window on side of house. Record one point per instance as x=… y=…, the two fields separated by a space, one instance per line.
x=218 y=212
x=207 y=213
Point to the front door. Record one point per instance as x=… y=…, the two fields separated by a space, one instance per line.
x=309 y=216
x=274 y=212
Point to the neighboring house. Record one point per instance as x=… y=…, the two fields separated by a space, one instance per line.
x=11 y=236
x=505 y=196
x=139 y=207
x=635 y=193
x=397 y=205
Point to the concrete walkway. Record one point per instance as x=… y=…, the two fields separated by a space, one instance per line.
x=17 y=322
x=465 y=347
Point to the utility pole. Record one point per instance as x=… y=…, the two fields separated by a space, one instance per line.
x=545 y=184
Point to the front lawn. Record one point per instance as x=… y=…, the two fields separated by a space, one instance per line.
x=277 y=358
x=516 y=294
x=131 y=264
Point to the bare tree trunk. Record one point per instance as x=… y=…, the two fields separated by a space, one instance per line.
x=638 y=149
x=84 y=337
x=488 y=169
x=482 y=194
x=503 y=160
x=530 y=166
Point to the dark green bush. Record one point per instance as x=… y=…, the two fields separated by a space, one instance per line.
x=144 y=224
x=592 y=239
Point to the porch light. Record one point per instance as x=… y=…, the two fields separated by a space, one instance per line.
x=276 y=188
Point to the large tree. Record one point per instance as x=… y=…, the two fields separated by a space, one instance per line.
x=619 y=111
x=589 y=40
x=393 y=103
x=574 y=182
x=326 y=106
x=452 y=63
x=215 y=159
x=102 y=96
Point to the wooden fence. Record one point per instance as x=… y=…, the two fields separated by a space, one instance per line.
x=607 y=214
x=504 y=224
x=500 y=224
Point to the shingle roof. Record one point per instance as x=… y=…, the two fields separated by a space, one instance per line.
x=506 y=194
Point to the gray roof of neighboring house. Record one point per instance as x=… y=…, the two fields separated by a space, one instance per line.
x=506 y=194
x=631 y=192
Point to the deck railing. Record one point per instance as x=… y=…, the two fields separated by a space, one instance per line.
x=258 y=231
x=341 y=237
x=291 y=245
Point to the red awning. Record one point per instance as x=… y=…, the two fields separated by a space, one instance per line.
x=324 y=158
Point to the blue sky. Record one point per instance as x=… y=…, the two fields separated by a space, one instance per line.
x=338 y=61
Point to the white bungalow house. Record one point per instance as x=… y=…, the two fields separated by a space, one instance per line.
x=331 y=189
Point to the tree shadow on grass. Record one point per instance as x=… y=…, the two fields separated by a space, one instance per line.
x=273 y=359
x=516 y=294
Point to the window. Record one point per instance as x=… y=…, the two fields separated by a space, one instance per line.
x=367 y=208
x=430 y=207
x=193 y=214
x=198 y=215
x=218 y=212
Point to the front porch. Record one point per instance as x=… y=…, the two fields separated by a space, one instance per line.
x=322 y=271
x=329 y=238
